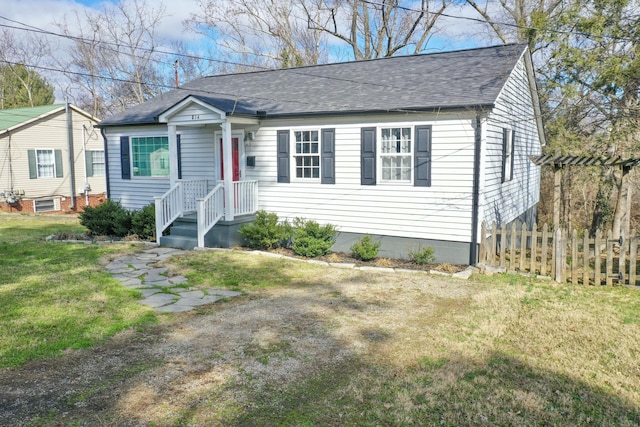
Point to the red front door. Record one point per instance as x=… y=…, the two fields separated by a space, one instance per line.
x=235 y=158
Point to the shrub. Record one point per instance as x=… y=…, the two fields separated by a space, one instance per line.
x=107 y=219
x=265 y=232
x=365 y=249
x=143 y=222
x=311 y=239
x=424 y=255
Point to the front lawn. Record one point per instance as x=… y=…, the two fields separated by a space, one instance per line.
x=56 y=296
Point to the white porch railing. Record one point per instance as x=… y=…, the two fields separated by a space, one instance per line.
x=180 y=198
x=210 y=210
x=246 y=197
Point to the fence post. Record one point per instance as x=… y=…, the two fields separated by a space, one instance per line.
x=483 y=243
x=494 y=244
x=585 y=258
x=512 y=246
x=544 y=250
x=574 y=257
x=598 y=260
x=503 y=245
x=559 y=246
x=523 y=245
x=609 y=266
x=622 y=262
x=633 y=257
x=534 y=247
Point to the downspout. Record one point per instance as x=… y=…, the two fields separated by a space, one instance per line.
x=72 y=176
x=103 y=132
x=475 y=209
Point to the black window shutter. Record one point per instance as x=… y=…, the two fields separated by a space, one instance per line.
x=179 y=152
x=513 y=152
x=422 y=161
x=504 y=154
x=88 y=156
x=33 y=170
x=284 y=171
x=328 y=161
x=125 y=157
x=58 y=156
x=368 y=156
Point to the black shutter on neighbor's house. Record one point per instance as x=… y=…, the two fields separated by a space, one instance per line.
x=125 y=157
x=179 y=153
x=328 y=154
x=368 y=156
x=422 y=165
x=58 y=156
x=33 y=170
x=284 y=170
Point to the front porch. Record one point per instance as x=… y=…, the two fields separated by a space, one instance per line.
x=194 y=212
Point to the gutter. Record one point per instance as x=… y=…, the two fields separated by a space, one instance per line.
x=72 y=172
x=103 y=132
x=475 y=209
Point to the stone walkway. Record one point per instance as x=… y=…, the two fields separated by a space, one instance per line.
x=165 y=294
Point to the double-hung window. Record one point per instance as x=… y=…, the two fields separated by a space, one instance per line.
x=507 y=154
x=46 y=164
x=150 y=156
x=307 y=154
x=395 y=154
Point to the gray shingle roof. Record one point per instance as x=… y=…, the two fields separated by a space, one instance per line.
x=465 y=78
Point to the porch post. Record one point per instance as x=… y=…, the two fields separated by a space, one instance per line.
x=227 y=159
x=173 y=155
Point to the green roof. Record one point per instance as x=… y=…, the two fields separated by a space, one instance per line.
x=16 y=116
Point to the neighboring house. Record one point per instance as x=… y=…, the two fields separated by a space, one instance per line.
x=413 y=150
x=51 y=160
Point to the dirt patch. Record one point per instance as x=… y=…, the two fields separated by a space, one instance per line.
x=215 y=363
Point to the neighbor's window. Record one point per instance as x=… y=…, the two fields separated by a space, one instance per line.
x=150 y=156
x=46 y=205
x=395 y=154
x=507 y=155
x=307 y=154
x=97 y=163
x=46 y=164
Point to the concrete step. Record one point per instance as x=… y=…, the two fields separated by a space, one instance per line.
x=184 y=229
x=180 y=242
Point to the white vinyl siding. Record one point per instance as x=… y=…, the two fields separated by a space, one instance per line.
x=503 y=201
x=442 y=211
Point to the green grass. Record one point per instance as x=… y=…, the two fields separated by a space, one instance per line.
x=55 y=296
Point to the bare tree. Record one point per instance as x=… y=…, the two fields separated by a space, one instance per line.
x=114 y=56
x=17 y=59
x=375 y=29
x=261 y=33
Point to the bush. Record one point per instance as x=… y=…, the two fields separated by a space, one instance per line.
x=424 y=255
x=265 y=232
x=365 y=249
x=107 y=219
x=143 y=222
x=310 y=239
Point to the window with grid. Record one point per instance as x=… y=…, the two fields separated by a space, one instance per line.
x=46 y=163
x=307 y=154
x=97 y=163
x=150 y=156
x=395 y=154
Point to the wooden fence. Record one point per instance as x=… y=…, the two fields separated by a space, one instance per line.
x=567 y=258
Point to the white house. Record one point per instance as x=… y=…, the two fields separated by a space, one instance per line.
x=413 y=150
x=51 y=159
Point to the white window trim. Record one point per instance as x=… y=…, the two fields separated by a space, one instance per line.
x=380 y=155
x=294 y=155
x=133 y=174
x=104 y=164
x=53 y=154
x=507 y=161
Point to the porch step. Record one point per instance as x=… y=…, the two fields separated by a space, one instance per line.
x=180 y=242
x=183 y=233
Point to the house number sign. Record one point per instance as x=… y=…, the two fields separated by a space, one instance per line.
x=195 y=117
